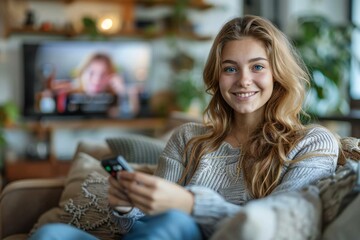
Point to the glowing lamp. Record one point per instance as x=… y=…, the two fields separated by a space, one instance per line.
x=109 y=24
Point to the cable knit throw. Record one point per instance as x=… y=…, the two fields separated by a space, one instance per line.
x=293 y=215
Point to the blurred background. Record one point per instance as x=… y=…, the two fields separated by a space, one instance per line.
x=158 y=48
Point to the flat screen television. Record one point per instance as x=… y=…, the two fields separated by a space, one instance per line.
x=67 y=79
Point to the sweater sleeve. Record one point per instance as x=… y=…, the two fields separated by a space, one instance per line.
x=320 y=151
x=209 y=206
x=171 y=164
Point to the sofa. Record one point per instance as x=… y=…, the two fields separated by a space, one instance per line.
x=331 y=207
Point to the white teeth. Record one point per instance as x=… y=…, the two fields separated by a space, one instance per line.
x=245 y=94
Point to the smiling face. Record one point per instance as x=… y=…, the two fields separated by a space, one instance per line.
x=95 y=78
x=246 y=81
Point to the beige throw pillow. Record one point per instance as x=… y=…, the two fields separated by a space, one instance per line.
x=83 y=202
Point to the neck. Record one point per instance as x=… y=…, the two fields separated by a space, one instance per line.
x=243 y=126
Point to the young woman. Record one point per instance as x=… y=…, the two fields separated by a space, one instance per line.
x=98 y=75
x=252 y=143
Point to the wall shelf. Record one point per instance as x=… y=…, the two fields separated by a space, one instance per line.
x=127 y=34
x=195 y=4
x=128 y=30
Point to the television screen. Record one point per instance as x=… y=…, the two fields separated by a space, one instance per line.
x=86 y=79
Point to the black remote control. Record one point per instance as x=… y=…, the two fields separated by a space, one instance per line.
x=113 y=165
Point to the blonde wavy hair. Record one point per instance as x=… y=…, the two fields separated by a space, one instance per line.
x=281 y=128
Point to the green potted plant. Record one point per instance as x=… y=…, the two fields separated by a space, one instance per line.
x=326 y=50
x=9 y=114
x=190 y=93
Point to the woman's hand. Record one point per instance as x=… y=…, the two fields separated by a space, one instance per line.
x=117 y=84
x=117 y=197
x=152 y=194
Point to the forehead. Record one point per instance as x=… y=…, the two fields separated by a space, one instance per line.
x=246 y=47
x=97 y=64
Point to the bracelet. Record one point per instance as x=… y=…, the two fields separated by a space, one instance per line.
x=123 y=213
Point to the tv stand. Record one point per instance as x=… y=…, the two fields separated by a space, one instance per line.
x=52 y=167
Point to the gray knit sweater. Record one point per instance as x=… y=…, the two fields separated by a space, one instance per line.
x=219 y=191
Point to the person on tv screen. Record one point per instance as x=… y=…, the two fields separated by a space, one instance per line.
x=98 y=75
x=97 y=88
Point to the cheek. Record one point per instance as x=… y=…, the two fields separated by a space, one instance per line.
x=267 y=88
x=225 y=82
x=223 y=86
x=265 y=82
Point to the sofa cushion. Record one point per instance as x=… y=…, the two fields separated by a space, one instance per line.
x=333 y=191
x=346 y=225
x=83 y=202
x=137 y=148
x=82 y=166
x=90 y=210
x=81 y=177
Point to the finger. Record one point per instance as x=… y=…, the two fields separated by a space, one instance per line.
x=148 y=208
x=115 y=202
x=142 y=202
x=139 y=177
x=134 y=188
x=115 y=183
x=119 y=194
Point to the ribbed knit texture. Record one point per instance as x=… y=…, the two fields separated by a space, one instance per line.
x=219 y=192
x=136 y=148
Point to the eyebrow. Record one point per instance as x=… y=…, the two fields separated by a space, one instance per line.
x=251 y=60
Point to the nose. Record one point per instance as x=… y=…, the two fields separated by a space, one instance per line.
x=244 y=78
x=96 y=79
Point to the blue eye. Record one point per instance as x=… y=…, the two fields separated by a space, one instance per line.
x=258 y=67
x=229 y=69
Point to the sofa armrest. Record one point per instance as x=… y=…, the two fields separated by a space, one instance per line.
x=23 y=201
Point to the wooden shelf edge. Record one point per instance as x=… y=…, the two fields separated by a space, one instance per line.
x=140 y=123
x=132 y=34
x=200 y=5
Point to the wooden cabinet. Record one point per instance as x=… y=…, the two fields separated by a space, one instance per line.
x=52 y=167
x=41 y=169
x=129 y=26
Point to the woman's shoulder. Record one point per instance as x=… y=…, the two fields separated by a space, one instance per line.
x=320 y=132
x=318 y=138
x=319 y=147
x=190 y=129
x=184 y=133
